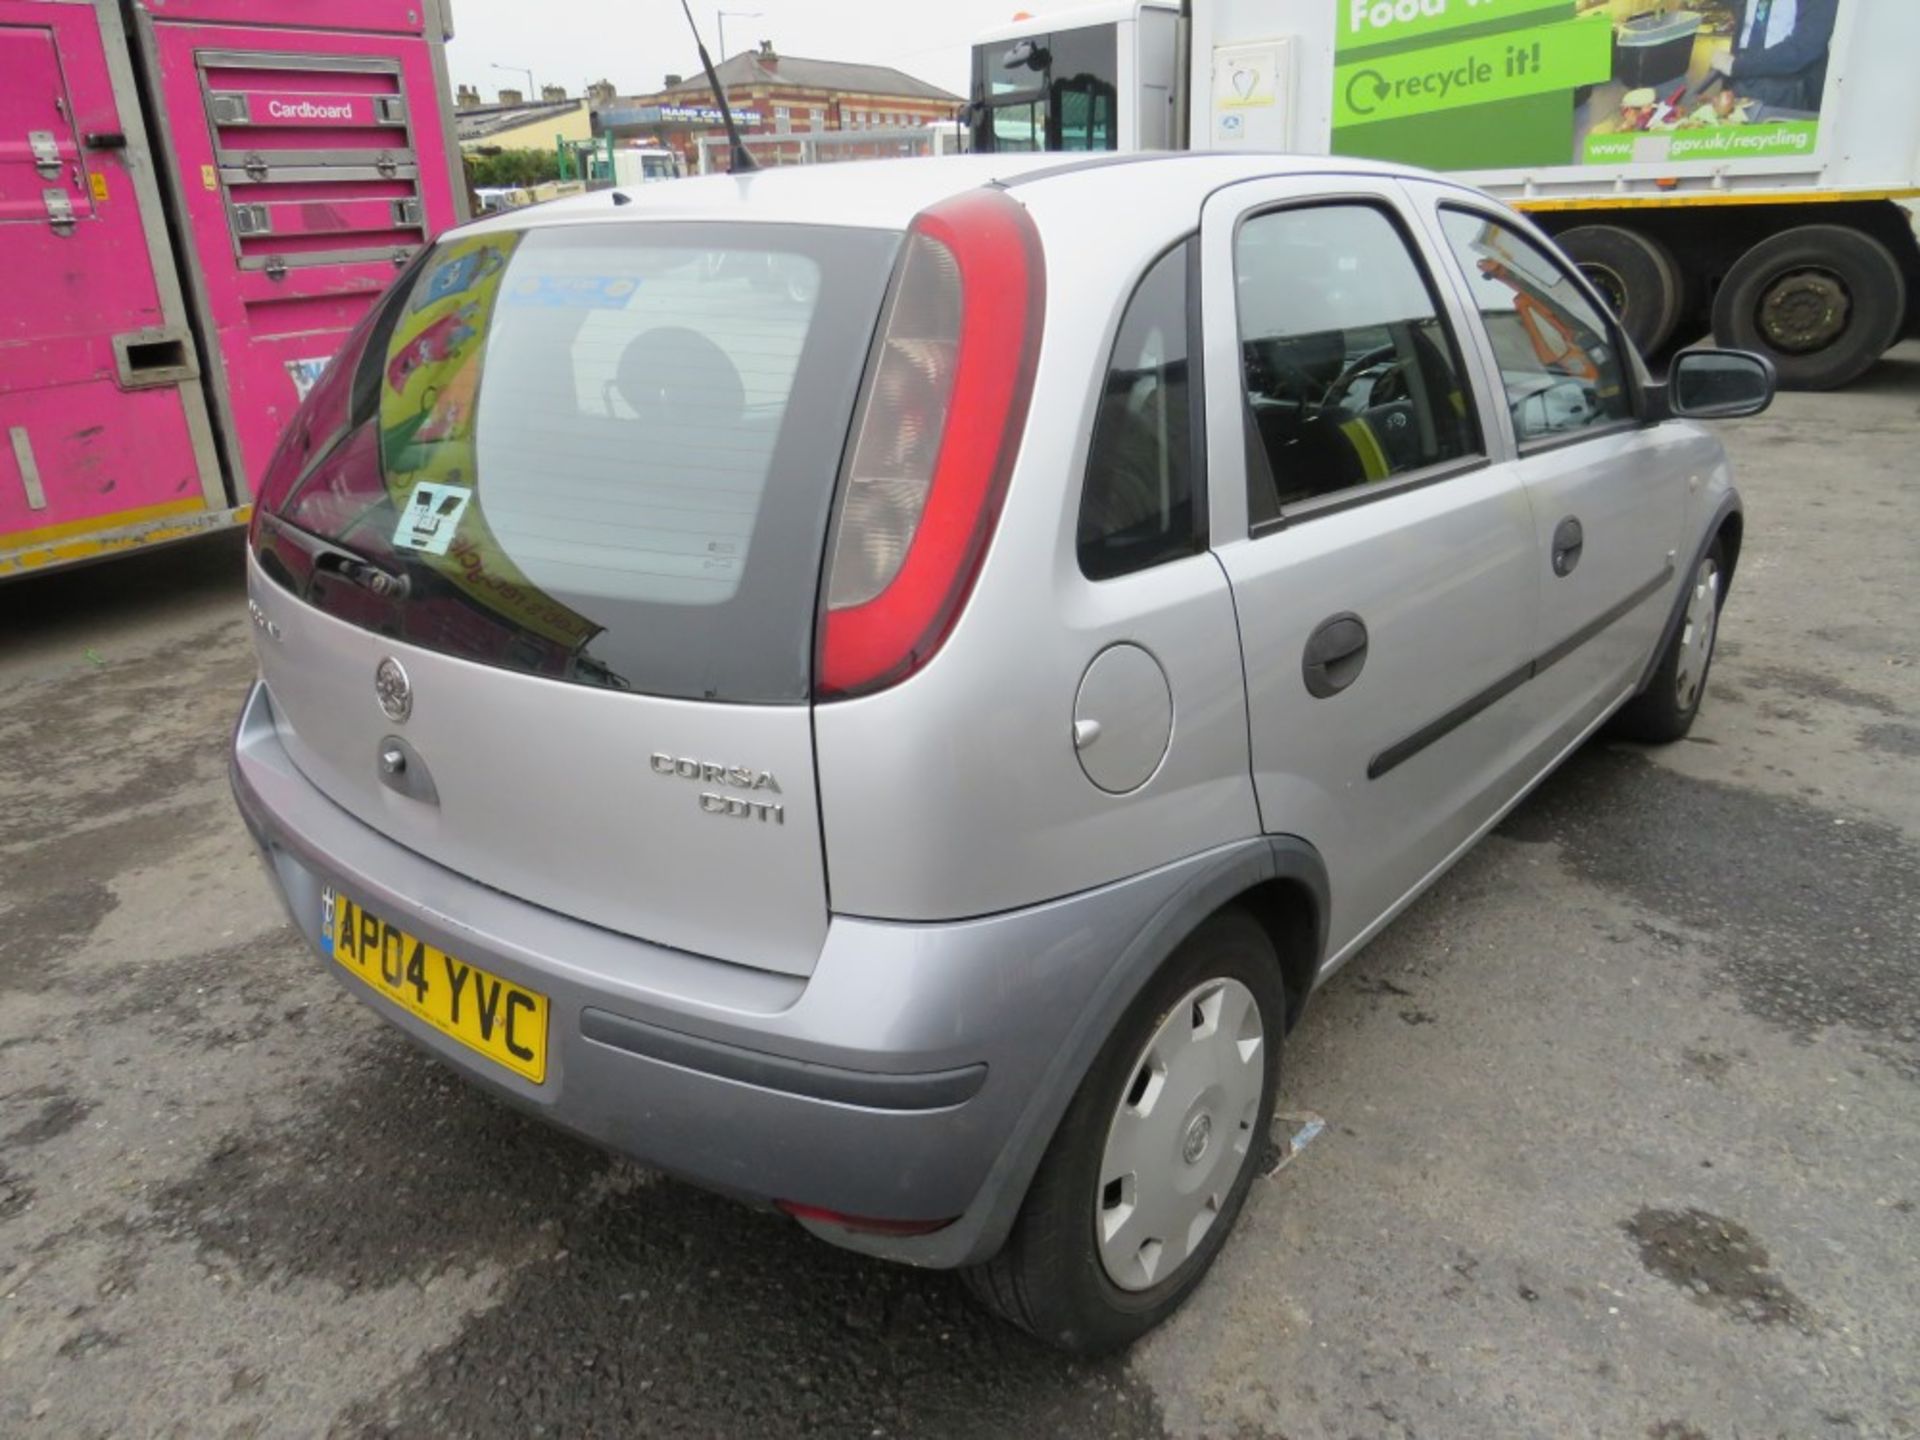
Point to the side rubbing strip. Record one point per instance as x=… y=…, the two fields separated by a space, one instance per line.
x=1588 y=631
x=1403 y=751
x=1423 y=737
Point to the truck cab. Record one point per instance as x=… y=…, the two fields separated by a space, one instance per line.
x=1094 y=78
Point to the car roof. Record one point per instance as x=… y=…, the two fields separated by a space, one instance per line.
x=887 y=194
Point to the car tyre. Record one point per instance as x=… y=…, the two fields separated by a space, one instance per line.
x=1665 y=710
x=1056 y=1277
x=1822 y=302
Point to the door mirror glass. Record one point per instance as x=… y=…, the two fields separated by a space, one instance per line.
x=1719 y=384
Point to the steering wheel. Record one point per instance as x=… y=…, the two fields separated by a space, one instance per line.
x=1266 y=371
x=1337 y=391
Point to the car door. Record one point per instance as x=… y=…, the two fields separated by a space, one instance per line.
x=1381 y=555
x=1608 y=489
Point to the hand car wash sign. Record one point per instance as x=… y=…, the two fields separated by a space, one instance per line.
x=1505 y=84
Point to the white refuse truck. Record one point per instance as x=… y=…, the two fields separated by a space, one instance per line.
x=1746 y=166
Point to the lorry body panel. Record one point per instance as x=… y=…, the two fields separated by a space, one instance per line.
x=283 y=139
x=197 y=202
x=102 y=418
x=1860 y=136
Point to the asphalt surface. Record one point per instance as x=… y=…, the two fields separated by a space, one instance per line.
x=1623 y=1117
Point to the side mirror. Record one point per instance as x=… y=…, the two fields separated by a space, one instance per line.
x=1719 y=384
x=1029 y=53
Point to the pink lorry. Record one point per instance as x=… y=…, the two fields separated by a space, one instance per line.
x=198 y=199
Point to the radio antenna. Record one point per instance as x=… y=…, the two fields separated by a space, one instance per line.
x=737 y=155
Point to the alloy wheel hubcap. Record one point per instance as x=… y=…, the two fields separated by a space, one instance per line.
x=1697 y=635
x=1181 y=1134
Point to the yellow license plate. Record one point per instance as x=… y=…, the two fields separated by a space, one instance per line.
x=494 y=1017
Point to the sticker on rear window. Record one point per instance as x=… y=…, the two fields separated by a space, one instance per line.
x=459 y=275
x=573 y=292
x=431 y=517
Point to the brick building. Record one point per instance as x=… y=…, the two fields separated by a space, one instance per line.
x=774 y=94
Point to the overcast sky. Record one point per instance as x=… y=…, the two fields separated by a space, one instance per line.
x=634 y=43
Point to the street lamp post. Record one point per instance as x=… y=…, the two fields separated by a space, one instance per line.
x=533 y=96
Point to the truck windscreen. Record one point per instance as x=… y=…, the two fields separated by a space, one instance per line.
x=1048 y=92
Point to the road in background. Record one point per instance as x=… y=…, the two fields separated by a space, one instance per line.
x=1624 y=1126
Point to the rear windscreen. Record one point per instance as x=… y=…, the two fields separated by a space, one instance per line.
x=604 y=453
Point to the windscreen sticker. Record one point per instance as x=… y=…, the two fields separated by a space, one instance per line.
x=573 y=292
x=431 y=518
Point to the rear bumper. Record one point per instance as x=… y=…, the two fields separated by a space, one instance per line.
x=916 y=1075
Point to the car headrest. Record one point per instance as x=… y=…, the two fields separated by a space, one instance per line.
x=677 y=376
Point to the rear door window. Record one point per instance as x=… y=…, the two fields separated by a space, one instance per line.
x=1352 y=376
x=600 y=452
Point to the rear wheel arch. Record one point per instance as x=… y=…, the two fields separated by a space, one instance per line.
x=1281 y=881
x=1050 y=1277
x=1289 y=896
x=1294 y=919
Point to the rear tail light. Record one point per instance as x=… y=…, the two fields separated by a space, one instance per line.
x=934 y=441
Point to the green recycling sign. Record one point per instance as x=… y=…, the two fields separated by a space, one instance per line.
x=1513 y=84
x=1501 y=66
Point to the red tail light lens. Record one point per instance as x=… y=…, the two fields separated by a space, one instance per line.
x=859 y=1224
x=934 y=441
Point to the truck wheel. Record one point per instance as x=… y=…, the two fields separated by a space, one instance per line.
x=1636 y=275
x=1153 y=1159
x=1823 y=302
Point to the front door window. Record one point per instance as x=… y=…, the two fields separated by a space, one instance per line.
x=1562 y=371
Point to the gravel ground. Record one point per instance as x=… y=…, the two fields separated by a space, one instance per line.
x=1623 y=1129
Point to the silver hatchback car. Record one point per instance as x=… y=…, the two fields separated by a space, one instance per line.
x=882 y=689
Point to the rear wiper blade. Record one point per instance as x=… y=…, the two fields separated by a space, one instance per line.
x=332 y=559
x=383 y=583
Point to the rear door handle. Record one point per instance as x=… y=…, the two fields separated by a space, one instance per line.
x=1568 y=541
x=1336 y=654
